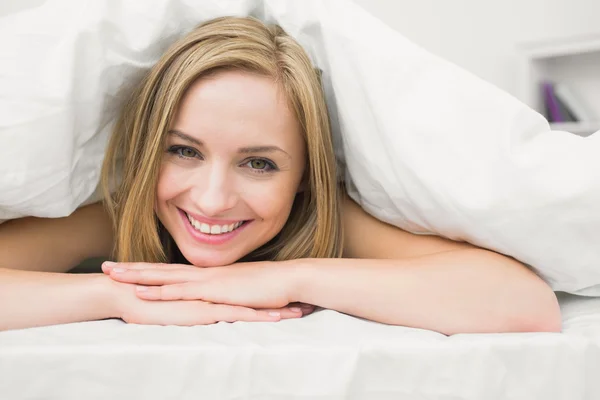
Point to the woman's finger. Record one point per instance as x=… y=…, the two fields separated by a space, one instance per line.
x=108 y=266
x=307 y=309
x=194 y=291
x=174 y=291
x=136 y=265
x=192 y=313
x=154 y=276
x=303 y=307
x=286 y=312
x=227 y=313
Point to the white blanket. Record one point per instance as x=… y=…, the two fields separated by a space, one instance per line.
x=324 y=356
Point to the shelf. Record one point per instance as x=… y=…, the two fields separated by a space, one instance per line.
x=577 y=128
x=561 y=47
x=572 y=61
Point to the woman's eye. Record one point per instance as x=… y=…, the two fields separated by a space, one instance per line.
x=184 y=152
x=187 y=152
x=260 y=165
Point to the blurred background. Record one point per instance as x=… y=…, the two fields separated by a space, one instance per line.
x=484 y=36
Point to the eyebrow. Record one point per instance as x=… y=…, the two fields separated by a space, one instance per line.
x=242 y=150
x=185 y=137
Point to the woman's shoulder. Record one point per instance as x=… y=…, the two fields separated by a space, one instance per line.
x=56 y=244
x=367 y=237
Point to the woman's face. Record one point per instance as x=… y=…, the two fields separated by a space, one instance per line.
x=233 y=164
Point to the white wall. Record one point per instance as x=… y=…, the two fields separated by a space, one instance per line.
x=481 y=35
x=10 y=6
x=478 y=35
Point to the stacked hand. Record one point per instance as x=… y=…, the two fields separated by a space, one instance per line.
x=174 y=294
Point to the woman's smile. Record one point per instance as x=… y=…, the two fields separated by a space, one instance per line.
x=215 y=233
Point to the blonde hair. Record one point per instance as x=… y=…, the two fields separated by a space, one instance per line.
x=313 y=228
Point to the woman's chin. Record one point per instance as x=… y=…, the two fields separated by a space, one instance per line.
x=209 y=260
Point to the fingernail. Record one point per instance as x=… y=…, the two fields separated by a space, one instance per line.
x=274 y=314
x=141 y=288
x=108 y=264
x=119 y=270
x=295 y=309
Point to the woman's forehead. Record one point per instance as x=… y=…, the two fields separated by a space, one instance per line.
x=237 y=106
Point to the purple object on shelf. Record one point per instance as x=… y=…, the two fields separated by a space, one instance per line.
x=552 y=103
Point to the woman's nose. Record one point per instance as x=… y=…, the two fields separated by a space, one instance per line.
x=215 y=192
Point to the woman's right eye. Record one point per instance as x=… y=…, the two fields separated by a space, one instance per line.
x=184 y=152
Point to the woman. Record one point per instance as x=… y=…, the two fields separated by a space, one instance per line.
x=229 y=209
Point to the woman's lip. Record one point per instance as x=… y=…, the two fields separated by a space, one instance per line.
x=211 y=221
x=207 y=238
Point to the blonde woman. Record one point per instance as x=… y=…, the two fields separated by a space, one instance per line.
x=228 y=209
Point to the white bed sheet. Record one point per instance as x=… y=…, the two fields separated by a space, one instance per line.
x=327 y=355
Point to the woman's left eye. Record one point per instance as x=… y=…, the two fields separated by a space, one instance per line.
x=184 y=151
x=260 y=165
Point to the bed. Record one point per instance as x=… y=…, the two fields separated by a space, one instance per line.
x=326 y=356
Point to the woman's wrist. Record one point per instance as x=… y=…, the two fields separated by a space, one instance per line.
x=296 y=275
x=104 y=296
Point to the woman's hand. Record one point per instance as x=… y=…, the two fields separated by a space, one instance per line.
x=133 y=309
x=257 y=284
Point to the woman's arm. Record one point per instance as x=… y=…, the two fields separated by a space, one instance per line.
x=33 y=250
x=55 y=244
x=425 y=281
x=466 y=291
x=32 y=298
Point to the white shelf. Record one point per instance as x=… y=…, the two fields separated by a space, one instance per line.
x=573 y=61
x=578 y=128
x=561 y=47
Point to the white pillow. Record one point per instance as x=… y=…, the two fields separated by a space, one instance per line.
x=428 y=147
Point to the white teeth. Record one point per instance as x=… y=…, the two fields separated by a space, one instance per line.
x=213 y=229
x=204 y=228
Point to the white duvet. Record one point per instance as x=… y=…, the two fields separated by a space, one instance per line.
x=324 y=356
x=427 y=146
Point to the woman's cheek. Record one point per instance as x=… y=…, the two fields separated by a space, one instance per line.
x=271 y=199
x=171 y=180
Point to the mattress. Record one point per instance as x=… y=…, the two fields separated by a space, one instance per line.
x=326 y=356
